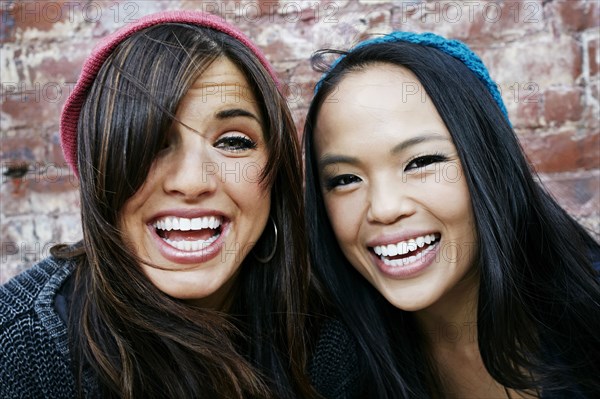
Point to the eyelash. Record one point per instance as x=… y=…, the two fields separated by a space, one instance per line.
x=425 y=160
x=336 y=181
x=235 y=143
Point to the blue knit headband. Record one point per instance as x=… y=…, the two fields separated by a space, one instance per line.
x=454 y=48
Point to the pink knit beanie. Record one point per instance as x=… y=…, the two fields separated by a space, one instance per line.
x=72 y=108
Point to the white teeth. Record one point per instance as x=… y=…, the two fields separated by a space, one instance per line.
x=169 y=223
x=412 y=245
x=404 y=247
x=184 y=224
x=192 y=245
x=392 y=250
x=196 y=224
x=408 y=260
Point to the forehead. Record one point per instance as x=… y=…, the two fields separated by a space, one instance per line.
x=379 y=86
x=222 y=84
x=221 y=70
x=381 y=101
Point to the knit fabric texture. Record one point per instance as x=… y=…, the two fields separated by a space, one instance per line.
x=334 y=369
x=454 y=48
x=72 y=108
x=35 y=359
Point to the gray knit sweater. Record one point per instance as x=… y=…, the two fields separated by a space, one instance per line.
x=35 y=359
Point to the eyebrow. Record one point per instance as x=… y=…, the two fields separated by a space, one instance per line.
x=331 y=159
x=236 y=112
x=417 y=140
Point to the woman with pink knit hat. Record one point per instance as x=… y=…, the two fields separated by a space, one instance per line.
x=192 y=279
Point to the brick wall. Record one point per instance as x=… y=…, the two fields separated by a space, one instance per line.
x=544 y=55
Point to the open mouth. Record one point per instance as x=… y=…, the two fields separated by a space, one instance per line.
x=187 y=234
x=406 y=252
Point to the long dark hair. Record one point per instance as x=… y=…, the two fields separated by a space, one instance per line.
x=539 y=298
x=128 y=336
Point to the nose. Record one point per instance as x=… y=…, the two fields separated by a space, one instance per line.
x=191 y=172
x=389 y=202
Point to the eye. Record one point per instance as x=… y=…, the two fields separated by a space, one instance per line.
x=340 y=181
x=237 y=143
x=165 y=144
x=167 y=141
x=425 y=160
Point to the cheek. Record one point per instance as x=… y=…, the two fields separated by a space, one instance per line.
x=130 y=215
x=245 y=184
x=447 y=199
x=145 y=192
x=456 y=213
x=345 y=219
x=459 y=206
x=250 y=173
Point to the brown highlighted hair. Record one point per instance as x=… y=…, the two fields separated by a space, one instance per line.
x=128 y=336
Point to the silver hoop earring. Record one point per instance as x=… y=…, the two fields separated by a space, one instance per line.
x=272 y=253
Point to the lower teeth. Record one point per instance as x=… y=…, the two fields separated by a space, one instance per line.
x=408 y=260
x=191 y=245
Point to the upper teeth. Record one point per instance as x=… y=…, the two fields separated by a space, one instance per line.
x=184 y=224
x=404 y=247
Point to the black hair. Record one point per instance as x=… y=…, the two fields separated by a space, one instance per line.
x=538 y=312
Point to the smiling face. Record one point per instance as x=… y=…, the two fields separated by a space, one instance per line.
x=394 y=189
x=202 y=206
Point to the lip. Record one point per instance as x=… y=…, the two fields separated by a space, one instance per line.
x=393 y=238
x=189 y=257
x=411 y=270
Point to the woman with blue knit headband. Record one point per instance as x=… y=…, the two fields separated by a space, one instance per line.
x=457 y=274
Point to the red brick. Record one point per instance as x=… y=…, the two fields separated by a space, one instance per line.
x=528 y=115
x=562 y=152
x=563 y=105
x=591 y=117
x=40 y=15
x=23 y=150
x=593 y=56
x=51 y=178
x=511 y=19
x=283 y=49
x=541 y=60
x=53 y=72
x=35 y=107
x=474 y=22
x=577 y=15
x=578 y=193
x=268 y=6
x=55 y=154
